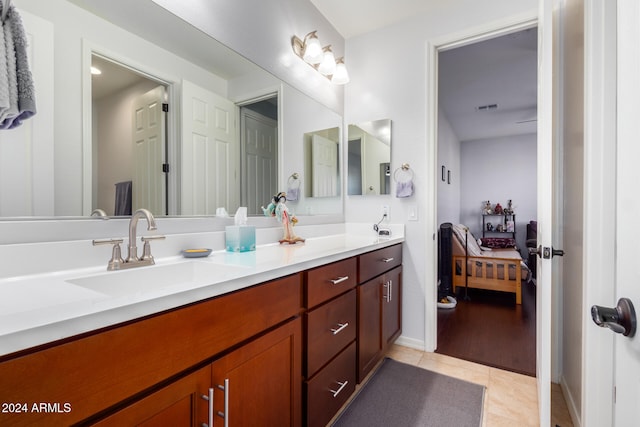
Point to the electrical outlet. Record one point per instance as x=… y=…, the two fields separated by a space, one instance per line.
x=385 y=212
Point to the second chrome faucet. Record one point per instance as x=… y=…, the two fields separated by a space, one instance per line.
x=116 y=262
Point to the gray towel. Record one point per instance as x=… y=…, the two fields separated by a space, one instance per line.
x=123 y=199
x=12 y=78
x=4 y=77
x=26 y=98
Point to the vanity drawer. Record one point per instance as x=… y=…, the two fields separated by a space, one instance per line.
x=374 y=263
x=331 y=388
x=326 y=282
x=330 y=328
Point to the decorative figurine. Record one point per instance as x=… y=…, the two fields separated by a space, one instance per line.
x=498 y=209
x=279 y=209
x=509 y=209
x=487 y=208
x=489 y=226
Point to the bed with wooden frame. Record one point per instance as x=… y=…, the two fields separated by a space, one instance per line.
x=491 y=269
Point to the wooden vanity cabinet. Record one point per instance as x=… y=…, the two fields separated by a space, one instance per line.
x=100 y=373
x=257 y=384
x=379 y=305
x=330 y=331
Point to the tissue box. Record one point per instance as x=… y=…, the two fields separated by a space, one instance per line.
x=240 y=238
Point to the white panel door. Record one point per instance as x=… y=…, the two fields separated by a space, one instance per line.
x=26 y=152
x=260 y=165
x=149 y=152
x=545 y=175
x=324 y=160
x=626 y=352
x=209 y=176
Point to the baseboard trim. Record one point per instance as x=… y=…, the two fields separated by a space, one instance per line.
x=571 y=403
x=411 y=343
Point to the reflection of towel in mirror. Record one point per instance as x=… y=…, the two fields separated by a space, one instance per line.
x=293 y=193
x=123 y=199
x=25 y=96
x=22 y=101
x=404 y=189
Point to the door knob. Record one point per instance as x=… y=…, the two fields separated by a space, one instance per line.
x=620 y=319
x=536 y=251
x=545 y=252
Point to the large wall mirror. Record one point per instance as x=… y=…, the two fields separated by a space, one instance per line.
x=369 y=158
x=229 y=138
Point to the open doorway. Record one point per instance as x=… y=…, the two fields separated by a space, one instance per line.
x=487 y=145
x=129 y=139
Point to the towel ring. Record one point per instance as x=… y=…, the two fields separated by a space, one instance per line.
x=404 y=171
x=292 y=179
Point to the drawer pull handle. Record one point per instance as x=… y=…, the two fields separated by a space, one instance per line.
x=225 y=414
x=337 y=392
x=341 y=326
x=387 y=259
x=339 y=280
x=210 y=399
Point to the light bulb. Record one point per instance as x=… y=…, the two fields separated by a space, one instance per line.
x=328 y=64
x=341 y=76
x=312 y=49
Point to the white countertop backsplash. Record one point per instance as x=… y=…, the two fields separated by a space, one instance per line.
x=38 y=304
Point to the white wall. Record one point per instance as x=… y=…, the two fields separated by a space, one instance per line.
x=261 y=30
x=449 y=157
x=388 y=70
x=499 y=170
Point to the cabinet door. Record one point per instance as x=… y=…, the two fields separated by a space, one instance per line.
x=369 y=333
x=181 y=403
x=260 y=383
x=391 y=306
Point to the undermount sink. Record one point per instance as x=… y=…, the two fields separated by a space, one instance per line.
x=157 y=277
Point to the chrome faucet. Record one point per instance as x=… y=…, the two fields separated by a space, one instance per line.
x=132 y=255
x=99 y=213
x=132 y=260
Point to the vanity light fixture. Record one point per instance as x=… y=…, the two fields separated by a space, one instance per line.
x=95 y=71
x=320 y=58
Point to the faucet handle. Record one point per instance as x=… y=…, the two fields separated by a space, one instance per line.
x=146 y=250
x=116 y=254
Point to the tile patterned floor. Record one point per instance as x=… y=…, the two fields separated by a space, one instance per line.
x=511 y=399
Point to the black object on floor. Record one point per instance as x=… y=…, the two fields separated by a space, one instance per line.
x=404 y=395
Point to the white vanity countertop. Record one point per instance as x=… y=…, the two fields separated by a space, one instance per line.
x=42 y=308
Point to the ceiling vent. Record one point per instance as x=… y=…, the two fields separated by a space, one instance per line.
x=488 y=107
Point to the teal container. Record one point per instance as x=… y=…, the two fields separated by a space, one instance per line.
x=240 y=238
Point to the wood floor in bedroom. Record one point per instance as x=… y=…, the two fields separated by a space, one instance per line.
x=491 y=329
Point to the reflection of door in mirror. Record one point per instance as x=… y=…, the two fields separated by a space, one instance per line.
x=210 y=152
x=369 y=158
x=129 y=139
x=259 y=148
x=149 y=154
x=324 y=154
x=354 y=173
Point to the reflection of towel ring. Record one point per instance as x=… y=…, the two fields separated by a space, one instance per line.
x=292 y=179
x=405 y=172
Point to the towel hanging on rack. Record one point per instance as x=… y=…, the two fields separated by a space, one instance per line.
x=293 y=187
x=20 y=96
x=403 y=176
